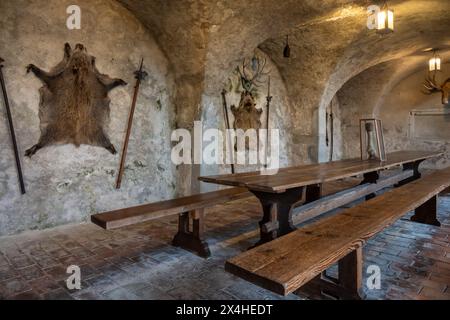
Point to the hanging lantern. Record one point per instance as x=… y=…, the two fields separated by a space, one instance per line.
x=255 y=63
x=287 y=49
x=385 y=20
x=434 y=63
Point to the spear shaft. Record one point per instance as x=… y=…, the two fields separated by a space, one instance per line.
x=11 y=129
x=227 y=123
x=268 y=99
x=139 y=75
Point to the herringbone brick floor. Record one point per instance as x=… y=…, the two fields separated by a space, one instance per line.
x=138 y=262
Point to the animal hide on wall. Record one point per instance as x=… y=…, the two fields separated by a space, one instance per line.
x=74 y=105
x=246 y=115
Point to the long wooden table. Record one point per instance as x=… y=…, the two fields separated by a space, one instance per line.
x=279 y=192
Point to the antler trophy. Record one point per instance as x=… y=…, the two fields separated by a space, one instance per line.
x=246 y=115
x=251 y=81
x=432 y=86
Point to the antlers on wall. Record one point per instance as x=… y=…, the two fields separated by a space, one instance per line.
x=254 y=79
x=431 y=86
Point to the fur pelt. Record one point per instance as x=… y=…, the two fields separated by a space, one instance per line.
x=74 y=104
x=246 y=115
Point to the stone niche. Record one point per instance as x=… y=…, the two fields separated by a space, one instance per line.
x=280 y=115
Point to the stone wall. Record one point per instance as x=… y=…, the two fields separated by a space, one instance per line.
x=64 y=183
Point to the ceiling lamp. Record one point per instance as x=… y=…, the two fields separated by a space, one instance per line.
x=434 y=63
x=254 y=62
x=385 y=20
x=287 y=49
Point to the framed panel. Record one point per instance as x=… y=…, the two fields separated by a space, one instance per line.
x=372 y=140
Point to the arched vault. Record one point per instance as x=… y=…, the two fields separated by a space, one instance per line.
x=330 y=44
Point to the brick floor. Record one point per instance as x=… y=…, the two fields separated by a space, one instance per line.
x=138 y=262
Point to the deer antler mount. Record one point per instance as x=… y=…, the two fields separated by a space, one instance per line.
x=431 y=86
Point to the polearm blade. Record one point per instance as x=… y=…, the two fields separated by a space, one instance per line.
x=11 y=129
x=139 y=75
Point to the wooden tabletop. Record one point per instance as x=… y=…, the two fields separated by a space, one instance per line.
x=305 y=175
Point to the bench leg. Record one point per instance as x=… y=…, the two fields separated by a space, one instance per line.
x=426 y=213
x=350 y=273
x=192 y=240
x=348 y=286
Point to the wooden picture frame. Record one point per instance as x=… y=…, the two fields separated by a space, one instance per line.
x=372 y=139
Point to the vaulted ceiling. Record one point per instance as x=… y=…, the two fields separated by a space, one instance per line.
x=324 y=33
x=329 y=40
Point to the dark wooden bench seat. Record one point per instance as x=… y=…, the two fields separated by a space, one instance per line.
x=188 y=208
x=286 y=264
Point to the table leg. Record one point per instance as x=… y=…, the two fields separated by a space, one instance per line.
x=277 y=213
x=313 y=193
x=411 y=166
x=370 y=177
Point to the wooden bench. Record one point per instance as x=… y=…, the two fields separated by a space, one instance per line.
x=190 y=210
x=286 y=264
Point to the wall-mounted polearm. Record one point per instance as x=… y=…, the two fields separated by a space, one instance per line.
x=331 y=132
x=268 y=100
x=139 y=75
x=11 y=129
x=227 y=123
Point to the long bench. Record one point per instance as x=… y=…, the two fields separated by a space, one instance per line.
x=286 y=264
x=190 y=210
